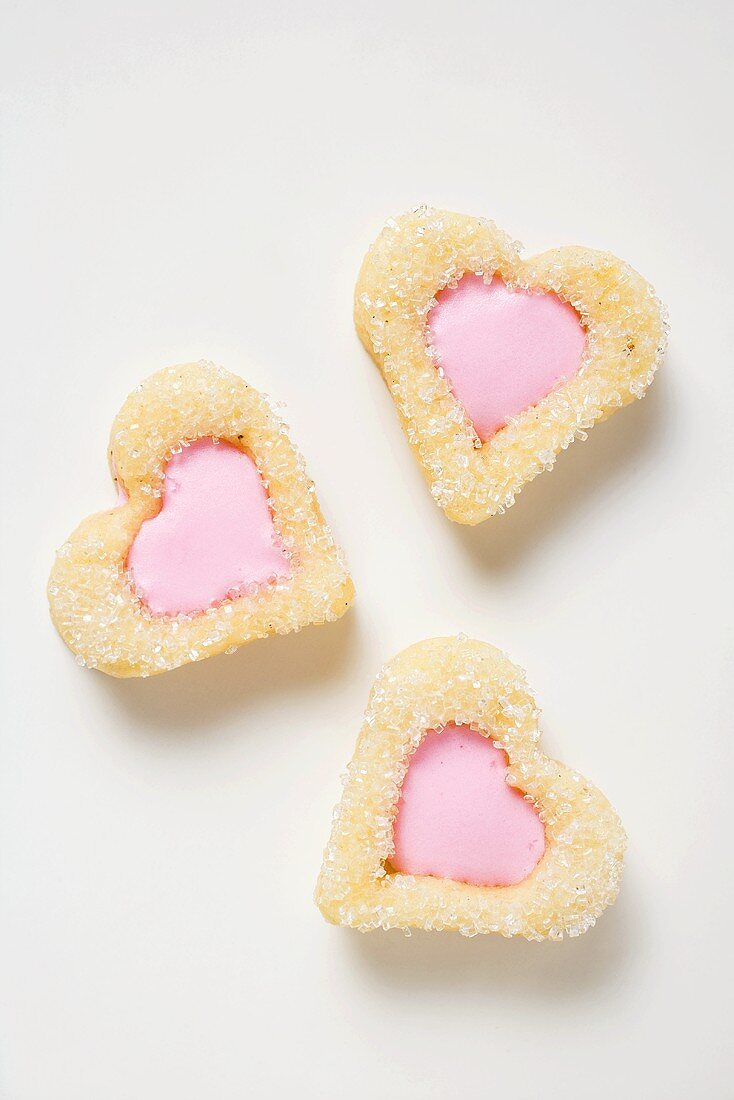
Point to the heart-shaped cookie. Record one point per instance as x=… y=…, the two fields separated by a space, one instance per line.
x=217 y=538
x=452 y=817
x=497 y=363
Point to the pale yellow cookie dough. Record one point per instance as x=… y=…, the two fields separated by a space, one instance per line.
x=470 y=683
x=418 y=255
x=92 y=601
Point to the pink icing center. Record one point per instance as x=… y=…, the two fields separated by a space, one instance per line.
x=503 y=350
x=458 y=818
x=213 y=536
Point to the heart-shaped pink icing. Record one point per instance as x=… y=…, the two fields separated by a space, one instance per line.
x=213 y=535
x=457 y=816
x=502 y=350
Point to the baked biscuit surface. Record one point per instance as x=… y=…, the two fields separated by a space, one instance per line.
x=420 y=256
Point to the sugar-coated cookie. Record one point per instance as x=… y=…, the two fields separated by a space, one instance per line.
x=217 y=537
x=453 y=818
x=497 y=363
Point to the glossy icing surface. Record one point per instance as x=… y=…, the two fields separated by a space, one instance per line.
x=503 y=350
x=459 y=819
x=213 y=536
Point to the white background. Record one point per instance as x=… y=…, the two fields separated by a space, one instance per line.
x=201 y=180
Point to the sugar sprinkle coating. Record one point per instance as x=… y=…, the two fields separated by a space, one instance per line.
x=93 y=603
x=471 y=683
x=418 y=255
